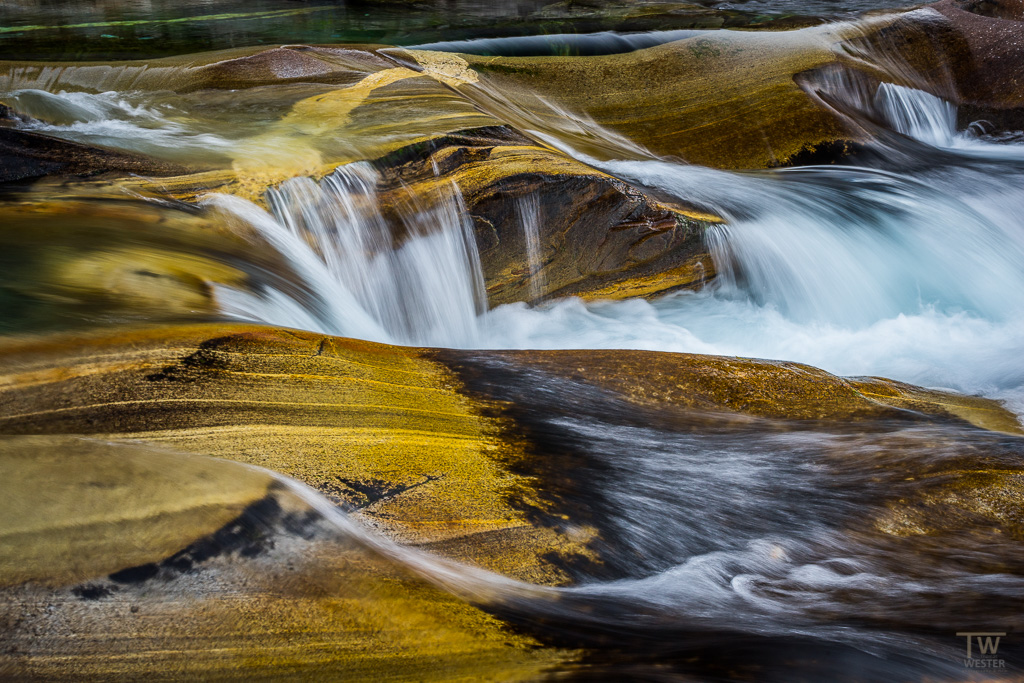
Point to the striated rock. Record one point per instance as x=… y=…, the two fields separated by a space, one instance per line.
x=727 y=99
x=763 y=388
x=467 y=454
x=378 y=428
x=596 y=236
x=723 y=99
x=75 y=509
x=979 y=411
x=731 y=99
x=124 y=560
x=408 y=437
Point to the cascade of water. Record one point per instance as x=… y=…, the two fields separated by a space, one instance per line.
x=357 y=281
x=528 y=210
x=859 y=271
x=917 y=114
x=911 y=112
x=851 y=246
x=914 y=275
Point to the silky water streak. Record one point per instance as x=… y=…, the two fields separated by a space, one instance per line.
x=355 y=279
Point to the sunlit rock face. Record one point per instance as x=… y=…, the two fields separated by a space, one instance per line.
x=421 y=342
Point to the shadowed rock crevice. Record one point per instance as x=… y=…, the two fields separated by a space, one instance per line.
x=250 y=535
x=194 y=365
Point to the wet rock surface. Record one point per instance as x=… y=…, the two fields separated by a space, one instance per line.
x=186 y=496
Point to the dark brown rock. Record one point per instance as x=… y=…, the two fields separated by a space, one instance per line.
x=597 y=236
x=25 y=155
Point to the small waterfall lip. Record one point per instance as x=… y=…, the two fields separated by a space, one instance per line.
x=907 y=127
x=528 y=213
x=917 y=114
x=355 y=280
x=327 y=301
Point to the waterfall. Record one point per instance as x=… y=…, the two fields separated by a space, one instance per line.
x=917 y=114
x=355 y=279
x=914 y=113
x=910 y=273
x=914 y=273
x=528 y=211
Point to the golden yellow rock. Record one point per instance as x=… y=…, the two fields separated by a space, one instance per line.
x=280 y=605
x=725 y=99
x=378 y=428
x=982 y=412
x=765 y=388
x=75 y=509
x=402 y=437
x=70 y=259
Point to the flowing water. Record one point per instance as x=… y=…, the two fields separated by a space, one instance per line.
x=914 y=272
x=746 y=532
x=909 y=266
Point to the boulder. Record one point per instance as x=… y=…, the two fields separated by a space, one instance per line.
x=597 y=237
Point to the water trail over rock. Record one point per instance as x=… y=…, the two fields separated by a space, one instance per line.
x=357 y=280
x=528 y=211
x=917 y=114
x=912 y=273
x=749 y=528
